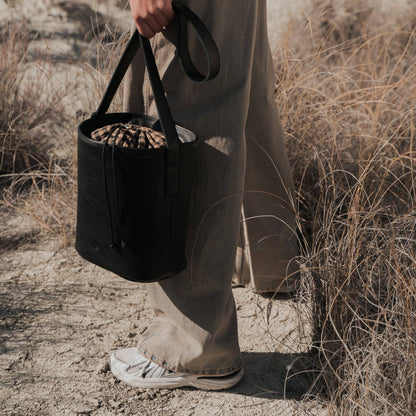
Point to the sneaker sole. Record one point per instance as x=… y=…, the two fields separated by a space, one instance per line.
x=172 y=382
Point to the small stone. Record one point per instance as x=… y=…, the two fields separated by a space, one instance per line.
x=148 y=395
x=103 y=368
x=96 y=403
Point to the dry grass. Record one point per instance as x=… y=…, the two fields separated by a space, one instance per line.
x=26 y=108
x=347 y=88
x=36 y=178
x=39 y=114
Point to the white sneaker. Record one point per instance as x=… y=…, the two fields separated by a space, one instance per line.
x=130 y=366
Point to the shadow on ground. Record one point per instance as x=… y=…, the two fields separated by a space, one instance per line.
x=275 y=376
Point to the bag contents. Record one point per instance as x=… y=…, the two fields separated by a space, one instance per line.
x=130 y=135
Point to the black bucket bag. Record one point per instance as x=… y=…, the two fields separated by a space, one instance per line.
x=133 y=203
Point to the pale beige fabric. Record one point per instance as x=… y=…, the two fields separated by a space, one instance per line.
x=195 y=324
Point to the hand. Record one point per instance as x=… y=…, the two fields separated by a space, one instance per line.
x=151 y=16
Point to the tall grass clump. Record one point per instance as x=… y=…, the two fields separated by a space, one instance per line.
x=39 y=113
x=347 y=92
x=23 y=112
x=36 y=174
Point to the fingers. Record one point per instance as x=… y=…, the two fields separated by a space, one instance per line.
x=151 y=16
x=160 y=18
x=167 y=10
x=145 y=29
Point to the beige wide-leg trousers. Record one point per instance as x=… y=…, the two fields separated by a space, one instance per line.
x=243 y=157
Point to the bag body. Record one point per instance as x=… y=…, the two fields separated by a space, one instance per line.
x=133 y=203
x=132 y=228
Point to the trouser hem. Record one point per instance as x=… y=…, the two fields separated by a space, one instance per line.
x=275 y=284
x=280 y=286
x=229 y=368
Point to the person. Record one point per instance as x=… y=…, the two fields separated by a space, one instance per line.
x=242 y=168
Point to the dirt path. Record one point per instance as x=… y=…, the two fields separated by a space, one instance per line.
x=60 y=317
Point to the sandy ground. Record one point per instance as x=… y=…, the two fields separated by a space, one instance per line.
x=60 y=317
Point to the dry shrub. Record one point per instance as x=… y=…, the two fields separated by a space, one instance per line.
x=346 y=89
x=26 y=107
x=36 y=169
x=39 y=114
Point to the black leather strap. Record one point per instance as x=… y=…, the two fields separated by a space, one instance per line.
x=165 y=116
x=126 y=59
x=210 y=48
x=207 y=42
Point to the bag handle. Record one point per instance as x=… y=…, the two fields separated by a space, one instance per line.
x=165 y=116
x=210 y=48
